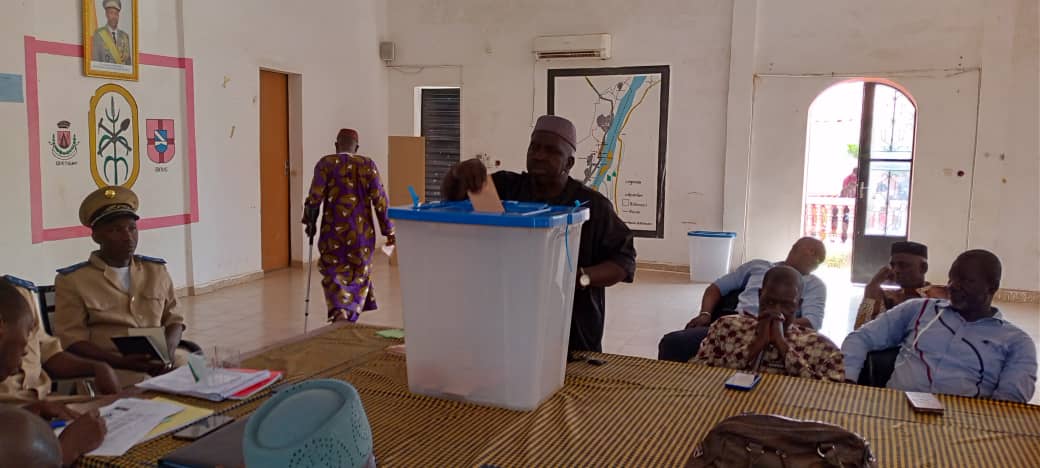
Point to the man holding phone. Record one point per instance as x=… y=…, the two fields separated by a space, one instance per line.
x=907 y=267
x=773 y=342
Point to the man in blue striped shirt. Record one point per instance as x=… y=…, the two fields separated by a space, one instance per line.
x=962 y=346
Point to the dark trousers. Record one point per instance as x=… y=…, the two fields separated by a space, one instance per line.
x=682 y=345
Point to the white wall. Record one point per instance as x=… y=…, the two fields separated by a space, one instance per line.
x=332 y=44
x=716 y=49
x=891 y=38
x=503 y=88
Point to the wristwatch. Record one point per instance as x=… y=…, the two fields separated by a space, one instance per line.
x=584 y=280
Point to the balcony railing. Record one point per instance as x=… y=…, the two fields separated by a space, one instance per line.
x=829 y=218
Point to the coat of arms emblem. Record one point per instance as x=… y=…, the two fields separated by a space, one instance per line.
x=161 y=141
x=64 y=143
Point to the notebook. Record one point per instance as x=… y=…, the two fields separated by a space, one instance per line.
x=146 y=345
x=221 y=448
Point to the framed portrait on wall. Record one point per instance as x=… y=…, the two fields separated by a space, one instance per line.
x=110 y=39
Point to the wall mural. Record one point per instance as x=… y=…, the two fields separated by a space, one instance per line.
x=86 y=133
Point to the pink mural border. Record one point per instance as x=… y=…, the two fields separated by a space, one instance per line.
x=34 y=47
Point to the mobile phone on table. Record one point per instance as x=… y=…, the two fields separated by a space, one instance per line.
x=199 y=429
x=743 y=381
x=925 y=403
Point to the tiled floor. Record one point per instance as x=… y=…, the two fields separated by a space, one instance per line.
x=259 y=313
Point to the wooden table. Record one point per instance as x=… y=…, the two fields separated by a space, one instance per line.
x=628 y=412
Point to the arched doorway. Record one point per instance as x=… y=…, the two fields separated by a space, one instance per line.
x=859 y=161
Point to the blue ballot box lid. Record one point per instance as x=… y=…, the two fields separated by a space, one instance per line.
x=717 y=234
x=517 y=214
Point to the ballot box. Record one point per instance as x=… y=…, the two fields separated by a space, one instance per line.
x=487 y=299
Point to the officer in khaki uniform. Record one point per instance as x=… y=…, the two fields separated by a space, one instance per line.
x=116 y=290
x=43 y=354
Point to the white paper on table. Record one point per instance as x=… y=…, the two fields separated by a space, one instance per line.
x=129 y=420
x=388 y=250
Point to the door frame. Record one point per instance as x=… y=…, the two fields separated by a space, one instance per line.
x=299 y=172
x=860 y=242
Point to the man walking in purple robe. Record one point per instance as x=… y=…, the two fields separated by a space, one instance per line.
x=348 y=184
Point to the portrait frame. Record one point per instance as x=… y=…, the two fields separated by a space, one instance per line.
x=93 y=20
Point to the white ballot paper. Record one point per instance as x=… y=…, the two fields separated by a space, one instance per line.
x=129 y=420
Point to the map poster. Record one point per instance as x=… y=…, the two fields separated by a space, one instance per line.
x=622 y=119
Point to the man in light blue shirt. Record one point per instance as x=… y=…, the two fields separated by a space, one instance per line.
x=962 y=346
x=805 y=256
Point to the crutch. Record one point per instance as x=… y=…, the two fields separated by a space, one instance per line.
x=310 y=273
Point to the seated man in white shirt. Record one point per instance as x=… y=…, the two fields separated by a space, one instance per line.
x=961 y=346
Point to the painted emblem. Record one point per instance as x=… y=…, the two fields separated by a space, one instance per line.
x=114 y=134
x=161 y=141
x=64 y=143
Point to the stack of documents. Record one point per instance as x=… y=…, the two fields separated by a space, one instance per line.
x=129 y=421
x=217 y=385
x=272 y=377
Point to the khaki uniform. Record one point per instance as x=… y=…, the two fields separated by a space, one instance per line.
x=31 y=382
x=91 y=305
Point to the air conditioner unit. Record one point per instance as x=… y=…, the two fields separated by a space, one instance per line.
x=572 y=47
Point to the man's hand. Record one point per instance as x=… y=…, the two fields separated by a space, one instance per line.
x=776 y=334
x=105 y=379
x=762 y=338
x=467 y=176
x=391 y=240
x=883 y=275
x=310 y=220
x=142 y=363
x=84 y=434
x=51 y=410
x=701 y=320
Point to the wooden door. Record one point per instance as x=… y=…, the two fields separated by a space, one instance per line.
x=274 y=170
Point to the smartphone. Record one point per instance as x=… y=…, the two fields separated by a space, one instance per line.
x=199 y=429
x=743 y=381
x=925 y=403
